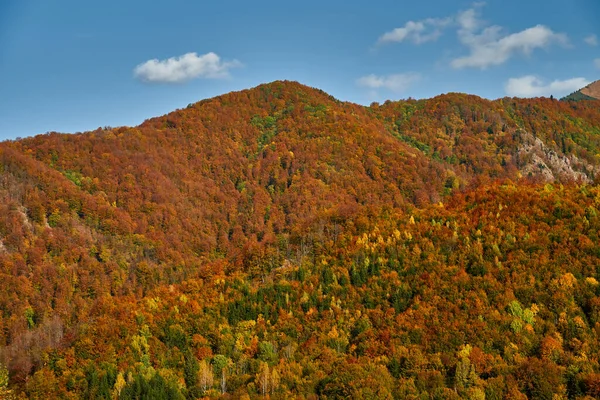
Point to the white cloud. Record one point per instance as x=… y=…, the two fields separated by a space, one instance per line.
x=184 y=68
x=487 y=45
x=490 y=46
x=417 y=32
x=395 y=82
x=532 y=86
x=468 y=20
x=592 y=40
x=597 y=63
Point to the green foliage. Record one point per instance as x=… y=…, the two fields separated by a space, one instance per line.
x=54 y=219
x=267 y=353
x=528 y=316
x=30 y=317
x=156 y=388
x=425 y=148
x=516 y=325
x=515 y=309
x=175 y=335
x=577 y=96
x=317 y=111
x=268 y=129
x=100 y=382
x=74 y=176
x=220 y=362
x=190 y=370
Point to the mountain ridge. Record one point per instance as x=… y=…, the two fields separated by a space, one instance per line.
x=592 y=87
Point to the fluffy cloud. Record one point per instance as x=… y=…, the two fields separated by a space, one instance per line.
x=592 y=40
x=416 y=31
x=396 y=82
x=532 y=86
x=489 y=46
x=597 y=63
x=184 y=68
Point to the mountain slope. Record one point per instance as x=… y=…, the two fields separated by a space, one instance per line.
x=228 y=176
x=281 y=179
x=590 y=92
x=468 y=299
x=269 y=146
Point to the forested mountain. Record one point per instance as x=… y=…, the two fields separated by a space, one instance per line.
x=278 y=242
x=590 y=92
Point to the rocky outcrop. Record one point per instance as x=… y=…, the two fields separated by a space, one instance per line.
x=535 y=158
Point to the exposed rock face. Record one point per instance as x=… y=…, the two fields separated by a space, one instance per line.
x=535 y=158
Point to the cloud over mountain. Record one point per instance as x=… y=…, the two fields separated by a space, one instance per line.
x=532 y=86
x=184 y=68
x=394 y=82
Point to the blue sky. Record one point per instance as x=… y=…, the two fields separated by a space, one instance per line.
x=73 y=66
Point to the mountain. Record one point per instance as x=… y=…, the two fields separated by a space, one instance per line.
x=590 y=92
x=277 y=241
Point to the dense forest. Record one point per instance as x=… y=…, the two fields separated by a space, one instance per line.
x=277 y=242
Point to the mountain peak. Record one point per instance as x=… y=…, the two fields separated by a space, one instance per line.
x=590 y=92
x=291 y=90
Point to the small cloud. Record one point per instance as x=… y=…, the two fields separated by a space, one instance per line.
x=597 y=63
x=184 y=68
x=592 y=40
x=395 y=82
x=418 y=32
x=468 y=20
x=532 y=86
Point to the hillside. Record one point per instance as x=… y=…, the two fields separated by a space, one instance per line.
x=276 y=241
x=590 y=92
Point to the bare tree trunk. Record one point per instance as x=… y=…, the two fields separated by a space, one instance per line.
x=223 y=382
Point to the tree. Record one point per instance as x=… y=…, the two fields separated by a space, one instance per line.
x=5 y=393
x=263 y=377
x=119 y=385
x=205 y=375
x=220 y=365
x=465 y=375
x=190 y=370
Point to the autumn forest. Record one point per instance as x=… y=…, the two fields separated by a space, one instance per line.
x=279 y=243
